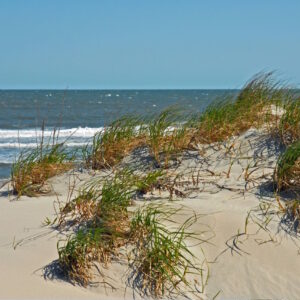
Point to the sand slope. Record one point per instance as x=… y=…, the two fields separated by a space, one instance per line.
x=233 y=180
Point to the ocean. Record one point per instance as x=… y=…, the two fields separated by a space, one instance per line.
x=80 y=113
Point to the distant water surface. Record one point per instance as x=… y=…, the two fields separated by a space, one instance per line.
x=81 y=112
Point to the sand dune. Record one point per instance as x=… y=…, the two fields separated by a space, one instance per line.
x=243 y=262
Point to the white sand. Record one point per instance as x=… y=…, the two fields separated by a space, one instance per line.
x=258 y=268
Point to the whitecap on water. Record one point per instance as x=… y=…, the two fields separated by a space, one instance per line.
x=32 y=133
x=34 y=145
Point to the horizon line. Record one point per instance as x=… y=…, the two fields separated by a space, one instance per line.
x=129 y=89
x=115 y=89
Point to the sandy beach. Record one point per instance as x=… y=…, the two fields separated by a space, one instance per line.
x=241 y=259
x=150 y=150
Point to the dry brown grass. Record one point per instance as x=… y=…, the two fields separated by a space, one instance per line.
x=289 y=125
x=287 y=173
x=114 y=143
x=78 y=254
x=251 y=108
x=102 y=224
x=291 y=216
x=170 y=145
x=160 y=258
x=172 y=131
x=32 y=168
x=112 y=153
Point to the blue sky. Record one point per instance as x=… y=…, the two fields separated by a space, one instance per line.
x=146 y=44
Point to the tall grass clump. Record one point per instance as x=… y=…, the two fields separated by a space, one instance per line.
x=81 y=209
x=287 y=173
x=161 y=260
x=114 y=143
x=101 y=223
x=234 y=115
x=78 y=254
x=102 y=226
x=106 y=199
x=100 y=201
x=116 y=196
x=289 y=125
x=165 y=134
x=216 y=123
x=168 y=135
x=33 y=167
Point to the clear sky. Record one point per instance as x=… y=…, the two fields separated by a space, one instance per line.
x=146 y=43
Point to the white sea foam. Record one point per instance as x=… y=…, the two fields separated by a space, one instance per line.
x=6 y=161
x=34 y=145
x=12 y=137
x=7 y=158
x=84 y=132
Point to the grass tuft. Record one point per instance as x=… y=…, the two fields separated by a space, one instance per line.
x=168 y=135
x=102 y=222
x=33 y=167
x=161 y=259
x=287 y=173
x=289 y=125
x=251 y=107
x=78 y=254
x=114 y=143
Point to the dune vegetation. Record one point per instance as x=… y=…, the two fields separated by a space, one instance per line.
x=259 y=103
x=33 y=167
x=114 y=143
x=103 y=226
x=288 y=167
x=99 y=217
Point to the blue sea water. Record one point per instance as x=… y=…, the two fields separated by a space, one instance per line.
x=80 y=113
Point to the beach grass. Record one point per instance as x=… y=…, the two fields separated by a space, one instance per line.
x=114 y=143
x=102 y=198
x=124 y=135
x=103 y=225
x=174 y=130
x=170 y=132
x=168 y=135
x=80 y=209
x=161 y=259
x=287 y=173
x=78 y=254
x=33 y=167
x=99 y=215
x=289 y=124
x=100 y=233
x=250 y=108
x=99 y=200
